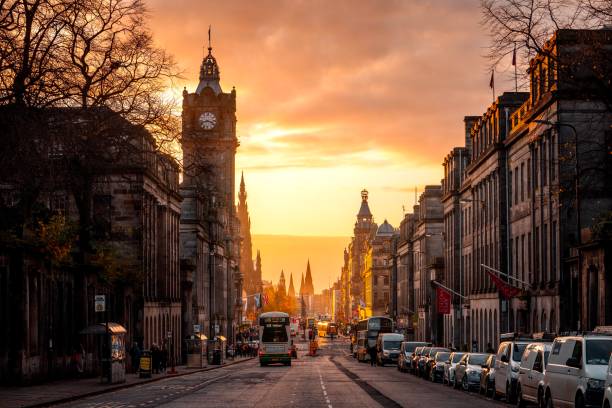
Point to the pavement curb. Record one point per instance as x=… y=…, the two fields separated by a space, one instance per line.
x=123 y=386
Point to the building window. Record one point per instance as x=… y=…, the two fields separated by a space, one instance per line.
x=545 y=163
x=101 y=216
x=553 y=252
x=516 y=184
x=510 y=188
x=528 y=178
x=58 y=204
x=545 y=253
x=535 y=168
x=522 y=182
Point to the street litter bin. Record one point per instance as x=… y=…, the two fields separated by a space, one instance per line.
x=145 y=368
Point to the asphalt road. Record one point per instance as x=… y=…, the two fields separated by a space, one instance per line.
x=331 y=379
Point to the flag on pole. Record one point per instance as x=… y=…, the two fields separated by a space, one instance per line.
x=506 y=290
x=258 y=300
x=443 y=298
x=266 y=299
x=514 y=56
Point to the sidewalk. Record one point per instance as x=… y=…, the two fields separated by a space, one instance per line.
x=56 y=392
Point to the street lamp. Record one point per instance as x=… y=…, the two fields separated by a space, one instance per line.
x=577 y=199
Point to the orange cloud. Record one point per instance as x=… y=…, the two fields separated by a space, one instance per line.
x=359 y=93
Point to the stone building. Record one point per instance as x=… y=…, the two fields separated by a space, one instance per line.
x=404 y=288
x=130 y=207
x=559 y=195
x=378 y=283
x=363 y=233
x=210 y=228
x=427 y=247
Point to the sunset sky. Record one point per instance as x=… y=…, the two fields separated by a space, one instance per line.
x=334 y=97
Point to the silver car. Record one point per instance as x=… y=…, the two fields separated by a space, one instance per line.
x=449 y=367
x=469 y=369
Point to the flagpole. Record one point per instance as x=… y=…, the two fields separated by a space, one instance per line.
x=505 y=274
x=448 y=289
x=515 y=73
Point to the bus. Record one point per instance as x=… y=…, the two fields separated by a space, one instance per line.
x=371 y=327
x=274 y=338
x=322 y=329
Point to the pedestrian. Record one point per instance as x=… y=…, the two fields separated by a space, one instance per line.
x=155 y=356
x=372 y=352
x=163 y=361
x=135 y=354
x=490 y=349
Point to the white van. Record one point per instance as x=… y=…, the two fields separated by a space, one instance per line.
x=608 y=391
x=388 y=347
x=576 y=371
x=507 y=363
x=530 y=386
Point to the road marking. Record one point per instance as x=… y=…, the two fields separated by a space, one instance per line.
x=327 y=401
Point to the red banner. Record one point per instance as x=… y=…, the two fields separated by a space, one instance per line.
x=444 y=301
x=506 y=290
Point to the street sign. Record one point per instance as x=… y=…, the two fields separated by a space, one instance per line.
x=100 y=303
x=169 y=334
x=197 y=328
x=216 y=329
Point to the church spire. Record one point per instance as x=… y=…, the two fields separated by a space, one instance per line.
x=309 y=287
x=302 y=285
x=291 y=290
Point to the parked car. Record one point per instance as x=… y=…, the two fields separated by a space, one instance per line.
x=468 y=370
x=449 y=367
x=608 y=387
x=404 y=360
x=388 y=348
x=429 y=359
x=421 y=361
x=436 y=369
x=576 y=370
x=487 y=378
x=530 y=384
x=507 y=364
x=414 y=364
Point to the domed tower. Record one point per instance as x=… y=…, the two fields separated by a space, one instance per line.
x=364 y=232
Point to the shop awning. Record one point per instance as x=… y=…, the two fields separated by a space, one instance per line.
x=100 y=329
x=221 y=338
x=198 y=336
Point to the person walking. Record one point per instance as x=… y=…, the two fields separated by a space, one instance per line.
x=135 y=354
x=372 y=352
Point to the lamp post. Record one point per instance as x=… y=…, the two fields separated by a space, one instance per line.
x=577 y=200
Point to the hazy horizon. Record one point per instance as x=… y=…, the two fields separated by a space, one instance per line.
x=291 y=253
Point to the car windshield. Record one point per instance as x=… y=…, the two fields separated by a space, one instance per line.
x=477 y=359
x=598 y=351
x=517 y=353
x=409 y=348
x=442 y=356
x=392 y=344
x=457 y=357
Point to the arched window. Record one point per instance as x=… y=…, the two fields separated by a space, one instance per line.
x=553 y=321
x=543 y=321
x=534 y=323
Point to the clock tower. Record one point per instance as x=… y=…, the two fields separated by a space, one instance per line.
x=209 y=134
x=210 y=229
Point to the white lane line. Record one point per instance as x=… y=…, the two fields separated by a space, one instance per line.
x=327 y=401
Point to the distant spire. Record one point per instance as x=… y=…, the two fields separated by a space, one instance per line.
x=308 y=288
x=209 y=43
x=291 y=290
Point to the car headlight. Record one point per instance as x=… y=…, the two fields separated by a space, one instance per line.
x=385 y=353
x=595 y=384
x=515 y=368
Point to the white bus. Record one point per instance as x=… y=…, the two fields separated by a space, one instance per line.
x=274 y=338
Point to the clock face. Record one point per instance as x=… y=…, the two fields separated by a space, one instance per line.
x=207 y=120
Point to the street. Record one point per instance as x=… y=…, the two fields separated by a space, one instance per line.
x=331 y=379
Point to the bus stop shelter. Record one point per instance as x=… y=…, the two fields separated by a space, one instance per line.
x=109 y=341
x=196 y=346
